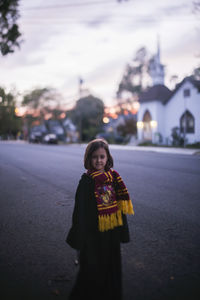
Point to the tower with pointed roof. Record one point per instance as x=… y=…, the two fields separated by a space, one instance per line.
x=156 y=69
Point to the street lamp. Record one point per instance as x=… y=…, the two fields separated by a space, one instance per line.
x=153 y=124
x=140 y=125
x=106 y=120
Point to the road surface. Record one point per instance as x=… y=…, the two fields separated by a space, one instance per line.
x=37 y=187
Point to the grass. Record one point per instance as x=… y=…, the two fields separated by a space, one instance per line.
x=190 y=146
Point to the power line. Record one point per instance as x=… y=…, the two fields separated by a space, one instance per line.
x=71 y=5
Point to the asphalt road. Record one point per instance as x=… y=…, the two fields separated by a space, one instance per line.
x=37 y=187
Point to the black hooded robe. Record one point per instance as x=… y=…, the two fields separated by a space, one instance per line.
x=99 y=276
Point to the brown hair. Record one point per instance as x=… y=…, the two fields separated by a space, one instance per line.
x=92 y=147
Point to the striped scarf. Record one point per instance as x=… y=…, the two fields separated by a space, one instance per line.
x=112 y=199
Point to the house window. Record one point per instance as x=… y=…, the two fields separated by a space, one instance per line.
x=186 y=93
x=187 y=122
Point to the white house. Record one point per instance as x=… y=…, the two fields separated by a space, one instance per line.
x=162 y=109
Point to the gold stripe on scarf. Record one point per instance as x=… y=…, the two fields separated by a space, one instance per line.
x=104 y=208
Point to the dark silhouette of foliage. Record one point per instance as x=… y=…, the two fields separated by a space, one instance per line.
x=9 y=29
x=88 y=115
x=135 y=71
x=10 y=124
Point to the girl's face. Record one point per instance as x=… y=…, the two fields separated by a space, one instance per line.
x=99 y=159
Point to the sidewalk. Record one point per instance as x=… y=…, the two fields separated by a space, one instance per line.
x=134 y=148
x=157 y=149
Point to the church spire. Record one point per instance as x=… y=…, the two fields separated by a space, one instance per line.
x=156 y=69
x=158 y=48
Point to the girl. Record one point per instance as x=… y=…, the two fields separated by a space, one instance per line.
x=99 y=225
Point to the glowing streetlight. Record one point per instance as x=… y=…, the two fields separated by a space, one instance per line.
x=140 y=125
x=106 y=120
x=153 y=124
x=16 y=111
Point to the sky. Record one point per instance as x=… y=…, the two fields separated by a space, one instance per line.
x=64 y=40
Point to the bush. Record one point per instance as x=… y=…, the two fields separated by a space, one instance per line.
x=194 y=145
x=177 y=139
x=146 y=144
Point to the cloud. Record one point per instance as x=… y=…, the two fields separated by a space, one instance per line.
x=96 y=41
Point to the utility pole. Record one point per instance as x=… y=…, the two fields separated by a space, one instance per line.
x=80 y=87
x=80 y=115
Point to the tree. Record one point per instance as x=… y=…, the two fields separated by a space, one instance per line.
x=9 y=30
x=134 y=74
x=10 y=124
x=196 y=73
x=41 y=103
x=128 y=128
x=88 y=115
x=35 y=99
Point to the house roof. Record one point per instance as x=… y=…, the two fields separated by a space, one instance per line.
x=162 y=93
x=157 y=92
x=191 y=79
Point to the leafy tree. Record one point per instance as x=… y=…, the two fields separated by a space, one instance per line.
x=39 y=103
x=128 y=128
x=10 y=124
x=9 y=30
x=196 y=73
x=42 y=101
x=88 y=115
x=134 y=74
x=35 y=99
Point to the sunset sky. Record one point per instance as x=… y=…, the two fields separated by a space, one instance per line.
x=94 y=40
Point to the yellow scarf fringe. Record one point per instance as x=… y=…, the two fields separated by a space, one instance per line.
x=126 y=207
x=111 y=221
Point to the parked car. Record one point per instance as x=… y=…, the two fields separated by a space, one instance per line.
x=54 y=126
x=35 y=137
x=50 y=138
x=37 y=133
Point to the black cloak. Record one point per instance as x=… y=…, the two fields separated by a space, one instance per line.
x=99 y=276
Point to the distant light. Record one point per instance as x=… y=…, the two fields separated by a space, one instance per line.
x=106 y=120
x=153 y=124
x=20 y=111
x=134 y=112
x=140 y=124
x=16 y=111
